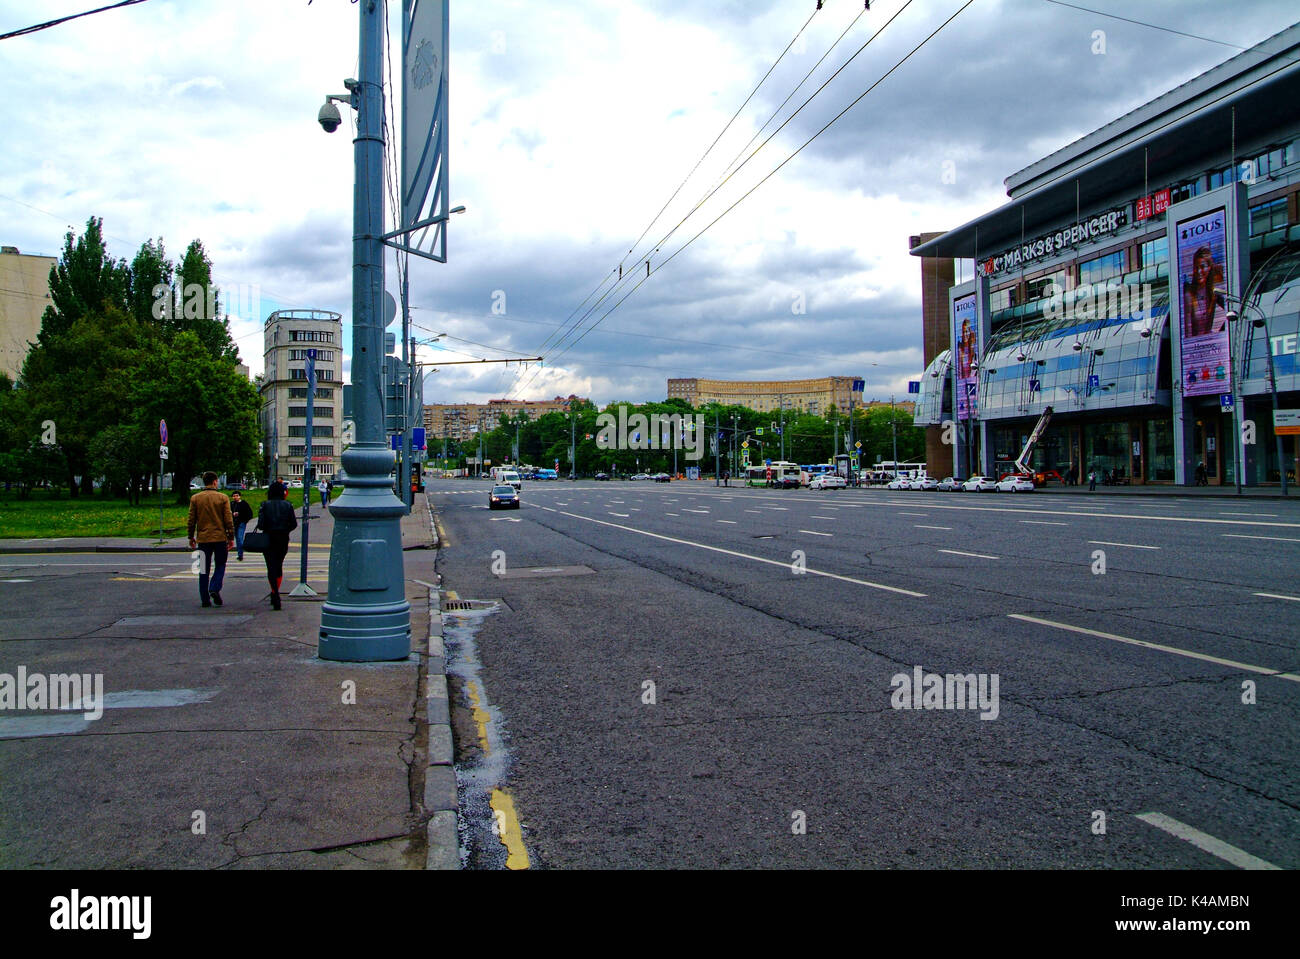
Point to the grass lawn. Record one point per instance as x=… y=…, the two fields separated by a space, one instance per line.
x=43 y=515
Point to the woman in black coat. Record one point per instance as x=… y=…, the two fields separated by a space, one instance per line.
x=276 y=518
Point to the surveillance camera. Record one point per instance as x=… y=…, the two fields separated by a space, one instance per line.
x=329 y=117
x=1077 y=346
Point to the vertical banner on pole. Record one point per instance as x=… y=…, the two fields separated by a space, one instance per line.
x=424 y=125
x=965 y=386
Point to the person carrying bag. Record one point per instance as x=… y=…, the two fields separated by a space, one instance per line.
x=276 y=520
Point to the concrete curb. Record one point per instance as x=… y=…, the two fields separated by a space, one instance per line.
x=442 y=835
x=49 y=548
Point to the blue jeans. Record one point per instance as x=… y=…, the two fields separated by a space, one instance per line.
x=212 y=551
x=239 y=538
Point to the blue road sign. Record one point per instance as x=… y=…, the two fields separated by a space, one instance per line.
x=767 y=462
x=1226 y=402
x=913 y=386
x=1094 y=381
x=1033 y=386
x=417 y=438
x=859 y=386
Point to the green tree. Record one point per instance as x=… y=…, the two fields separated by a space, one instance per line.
x=85 y=280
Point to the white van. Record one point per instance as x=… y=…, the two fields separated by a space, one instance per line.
x=511 y=477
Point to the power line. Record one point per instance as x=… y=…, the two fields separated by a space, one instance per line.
x=685 y=179
x=728 y=177
x=828 y=125
x=1143 y=23
x=54 y=23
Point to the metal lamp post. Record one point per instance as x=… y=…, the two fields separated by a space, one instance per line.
x=366 y=617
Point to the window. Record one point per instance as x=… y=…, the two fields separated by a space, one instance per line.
x=1185 y=191
x=327 y=375
x=322 y=411
x=1267 y=217
x=1004 y=299
x=1154 y=252
x=300 y=393
x=326 y=356
x=1102 y=268
x=1040 y=287
x=310 y=336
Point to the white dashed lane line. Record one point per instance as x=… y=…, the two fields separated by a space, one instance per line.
x=1102 y=542
x=1233 y=664
x=957 y=552
x=1274 y=539
x=1203 y=840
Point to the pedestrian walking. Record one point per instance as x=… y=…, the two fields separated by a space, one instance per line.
x=1202 y=475
x=243 y=514
x=1092 y=481
x=329 y=491
x=212 y=530
x=323 y=488
x=277 y=520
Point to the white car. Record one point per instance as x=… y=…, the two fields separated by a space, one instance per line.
x=1017 y=483
x=979 y=484
x=948 y=485
x=925 y=482
x=828 y=481
x=899 y=484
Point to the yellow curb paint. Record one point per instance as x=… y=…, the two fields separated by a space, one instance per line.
x=481 y=717
x=503 y=809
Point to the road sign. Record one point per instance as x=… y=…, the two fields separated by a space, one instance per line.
x=162 y=452
x=1094 y=381
x=767 y=462
x=1225 y=402
x=859 y=386
x=914 y=386
x=759 y=431
x=744 y=445
x=1034 y=386
x=162 y=432
x=858 y=445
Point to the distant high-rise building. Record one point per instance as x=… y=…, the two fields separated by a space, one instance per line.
x=287 y=336
x=814 y=396
x=460 y=421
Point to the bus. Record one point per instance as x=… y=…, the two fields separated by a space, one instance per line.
x=808 y=473
x=775 y=475
x=887 y=471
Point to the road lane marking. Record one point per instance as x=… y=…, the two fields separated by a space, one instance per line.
x=918 y=526
x=757 y=559
x=1274 y=539
x=507 y=829
x=624 y=515
x=1294 y=599
x=754 y=511
x=1102 y=542
x=689 y=510
x=831 y=518
x=731 y=522
x=1223 y=512
x=813 y=532
x=678 y=515
x=550 y=509
x=1202 y=840
x=901 y=513
x=957 y=552
x=1042 y=522
x=1157 y=646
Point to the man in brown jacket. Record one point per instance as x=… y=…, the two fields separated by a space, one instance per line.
x=211 y=529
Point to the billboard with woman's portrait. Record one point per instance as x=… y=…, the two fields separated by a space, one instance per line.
x=965 y=347
x=1202 y=255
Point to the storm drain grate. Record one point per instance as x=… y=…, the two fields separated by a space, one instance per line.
x=457 y=604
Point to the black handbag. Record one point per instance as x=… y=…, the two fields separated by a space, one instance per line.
x=255 y=542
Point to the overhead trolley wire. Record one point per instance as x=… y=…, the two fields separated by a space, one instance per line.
x=744 y=196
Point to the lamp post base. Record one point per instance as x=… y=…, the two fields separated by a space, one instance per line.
x=366 y=618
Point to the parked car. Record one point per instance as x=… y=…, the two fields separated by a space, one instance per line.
x=948 y=485
x=899 y=484
x=925 y=482
x=503 y=496
x=295 y=484
x=662 y=478
x=788 y=482
x=640 y=476
x=828 y=481
x=602 y=476
x=1016 y=483
x=980 y=484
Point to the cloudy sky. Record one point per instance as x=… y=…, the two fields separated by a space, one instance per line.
x=572 y=122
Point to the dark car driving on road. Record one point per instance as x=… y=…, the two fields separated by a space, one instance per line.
x=503 y=497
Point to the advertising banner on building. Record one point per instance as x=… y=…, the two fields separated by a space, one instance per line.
x=1202 y=258
x=965 y=343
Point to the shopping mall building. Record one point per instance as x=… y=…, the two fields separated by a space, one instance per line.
x=1138 y=282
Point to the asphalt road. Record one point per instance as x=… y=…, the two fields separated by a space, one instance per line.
x=1120 y=686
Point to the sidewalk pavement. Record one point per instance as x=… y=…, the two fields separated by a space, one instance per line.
x=224 y=741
